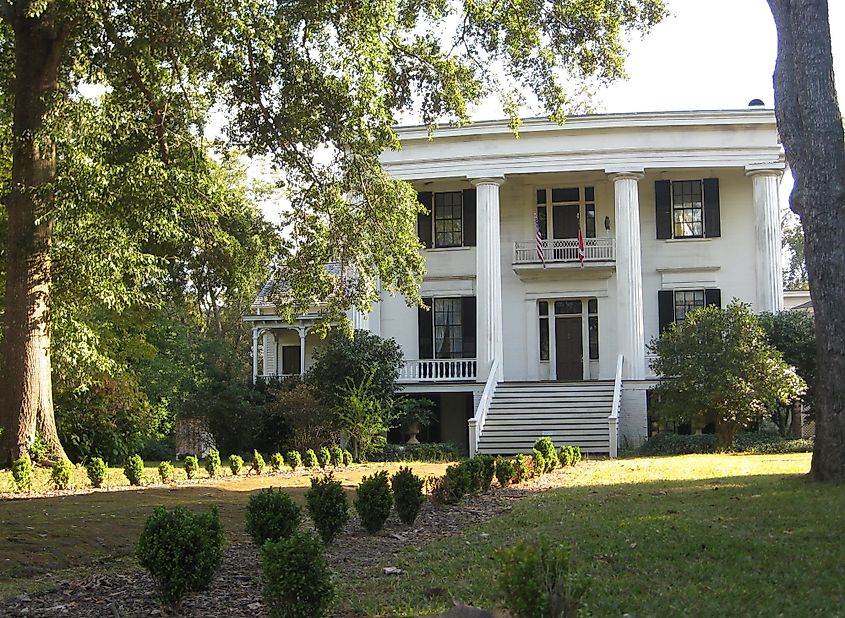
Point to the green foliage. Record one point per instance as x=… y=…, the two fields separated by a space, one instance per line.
x=236 y=462
x=336 y=455
x=795 y=271
x=434 y=452
x=165 y=471
x=258 y=464
x=407 y=494
x=666 y=443
x=212 y=463
x=793 y=334
x=538 y=580
x=310 y=422
x=487 y=471
x=97 y=470
x=271 y=515
x=505 y=471
x=297 y=579
x=539 y=463
x=191 y=465
x=569 y=455
x=134 y=470
x=60 y=474
x=181 y=550
x=410 y=410
x=325 y=457
x=327 y=507
x=362 y=413
x=277 y=461
x=310 y=459
x=550 y=459
x=294 y=459
x=373 y=500
x=347 y=458
x=521 y=469
x=38 y=450
x=722 y=370
x=362 y=358
x=454 y=485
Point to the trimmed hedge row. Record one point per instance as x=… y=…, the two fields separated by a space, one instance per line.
x=752 y=442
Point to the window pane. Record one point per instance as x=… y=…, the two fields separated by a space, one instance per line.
x=542 y=221
x=448 y=219
x=594 y=336
x=541 y=196
x=589 y=194
x=544 y=307
x=686 y=301
x=591 y=221
x=571 y=194
x=567 y=307
x=448 y=330
x=544 y=338
x=687 y=211
x=593 y=305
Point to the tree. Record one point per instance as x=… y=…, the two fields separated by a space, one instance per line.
x=316 y=85
x=720 y=369
x=363 y=415
x=360 y=358
x=792 y=333
x=810 y=125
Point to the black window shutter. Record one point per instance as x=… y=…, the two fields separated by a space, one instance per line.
x=712 y=224
x=424 y=219
x=713 y=297
x=665 y=308
x=663 y=208
x=425 y=328
x=469 y=217
x=468 y=322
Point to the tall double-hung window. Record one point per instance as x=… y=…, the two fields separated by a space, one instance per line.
x=687 y=208
x=447 y=329
x=448 y=220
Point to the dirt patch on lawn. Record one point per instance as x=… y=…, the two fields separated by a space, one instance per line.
x=236 y=589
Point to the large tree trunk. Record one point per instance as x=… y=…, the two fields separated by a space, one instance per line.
x=27 y=384
x=810 y=126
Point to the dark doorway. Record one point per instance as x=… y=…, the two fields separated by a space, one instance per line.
x=565 y=221
x=290 y=360
x=569 y=354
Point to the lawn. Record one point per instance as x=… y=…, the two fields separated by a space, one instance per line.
x=64 y=536
x=700 y=535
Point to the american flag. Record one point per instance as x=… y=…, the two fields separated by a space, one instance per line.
x=540 y=253
x=580 y=246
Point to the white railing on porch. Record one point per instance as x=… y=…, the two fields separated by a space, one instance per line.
x=476 y=423
x=438 y=370
x=613 y=419
x=556 y=250
x=277 y=376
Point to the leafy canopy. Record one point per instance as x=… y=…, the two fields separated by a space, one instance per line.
x=721 y=369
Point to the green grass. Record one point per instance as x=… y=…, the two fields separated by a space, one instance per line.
x=48 y=538
x=697 y=535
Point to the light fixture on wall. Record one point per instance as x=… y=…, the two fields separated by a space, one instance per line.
x=607 y=223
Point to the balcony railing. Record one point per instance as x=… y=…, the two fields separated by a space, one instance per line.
x=438 y=370
x=557 y=250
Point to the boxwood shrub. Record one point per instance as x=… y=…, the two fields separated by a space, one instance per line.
x=258 y=464
x=325 y=457
x=191 y=465
x=547 y=448
x=277 y=461
x=236 y=463
x=309 y=460
x=165 y=471
x=271 y=515
x=327 y=507
x=97 y=470
x=60 y=474
x=504 y=471
x=212 y=463
x=134 y=470
x=294 y=460
x=373 y=501
x=407 y=494
x=181 y=550
x=297 y=580
x=336 y=454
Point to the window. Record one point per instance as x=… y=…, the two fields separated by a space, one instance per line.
x=544 y=330
x=447 y=330
x=569 y=307
x=568 y=206
x=687 y=208
x=448 y=220
x=673 y=305
x=593 y=323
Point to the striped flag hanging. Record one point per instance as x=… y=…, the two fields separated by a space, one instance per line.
x=541 y=254
x=580 y=246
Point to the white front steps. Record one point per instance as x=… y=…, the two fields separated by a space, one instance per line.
x=573 y=413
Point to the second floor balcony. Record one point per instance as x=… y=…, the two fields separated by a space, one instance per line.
x=561 y=254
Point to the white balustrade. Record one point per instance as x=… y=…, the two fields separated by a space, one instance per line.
x=564 y=250
x=438 y=370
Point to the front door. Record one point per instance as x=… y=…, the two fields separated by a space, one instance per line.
x=291 y=360
x=565 y=221
x=568 y=348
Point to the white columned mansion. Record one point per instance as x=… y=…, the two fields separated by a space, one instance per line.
x=526 y=336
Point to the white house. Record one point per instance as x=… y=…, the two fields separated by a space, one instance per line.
x=524 y=338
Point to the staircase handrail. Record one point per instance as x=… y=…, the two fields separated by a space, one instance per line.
x=476 y=423
x=613 y=419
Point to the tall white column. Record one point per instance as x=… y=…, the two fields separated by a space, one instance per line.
x=629 y=274
x=255 y=335
x=488 y=275
x=767 y=237
x=303 y=332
